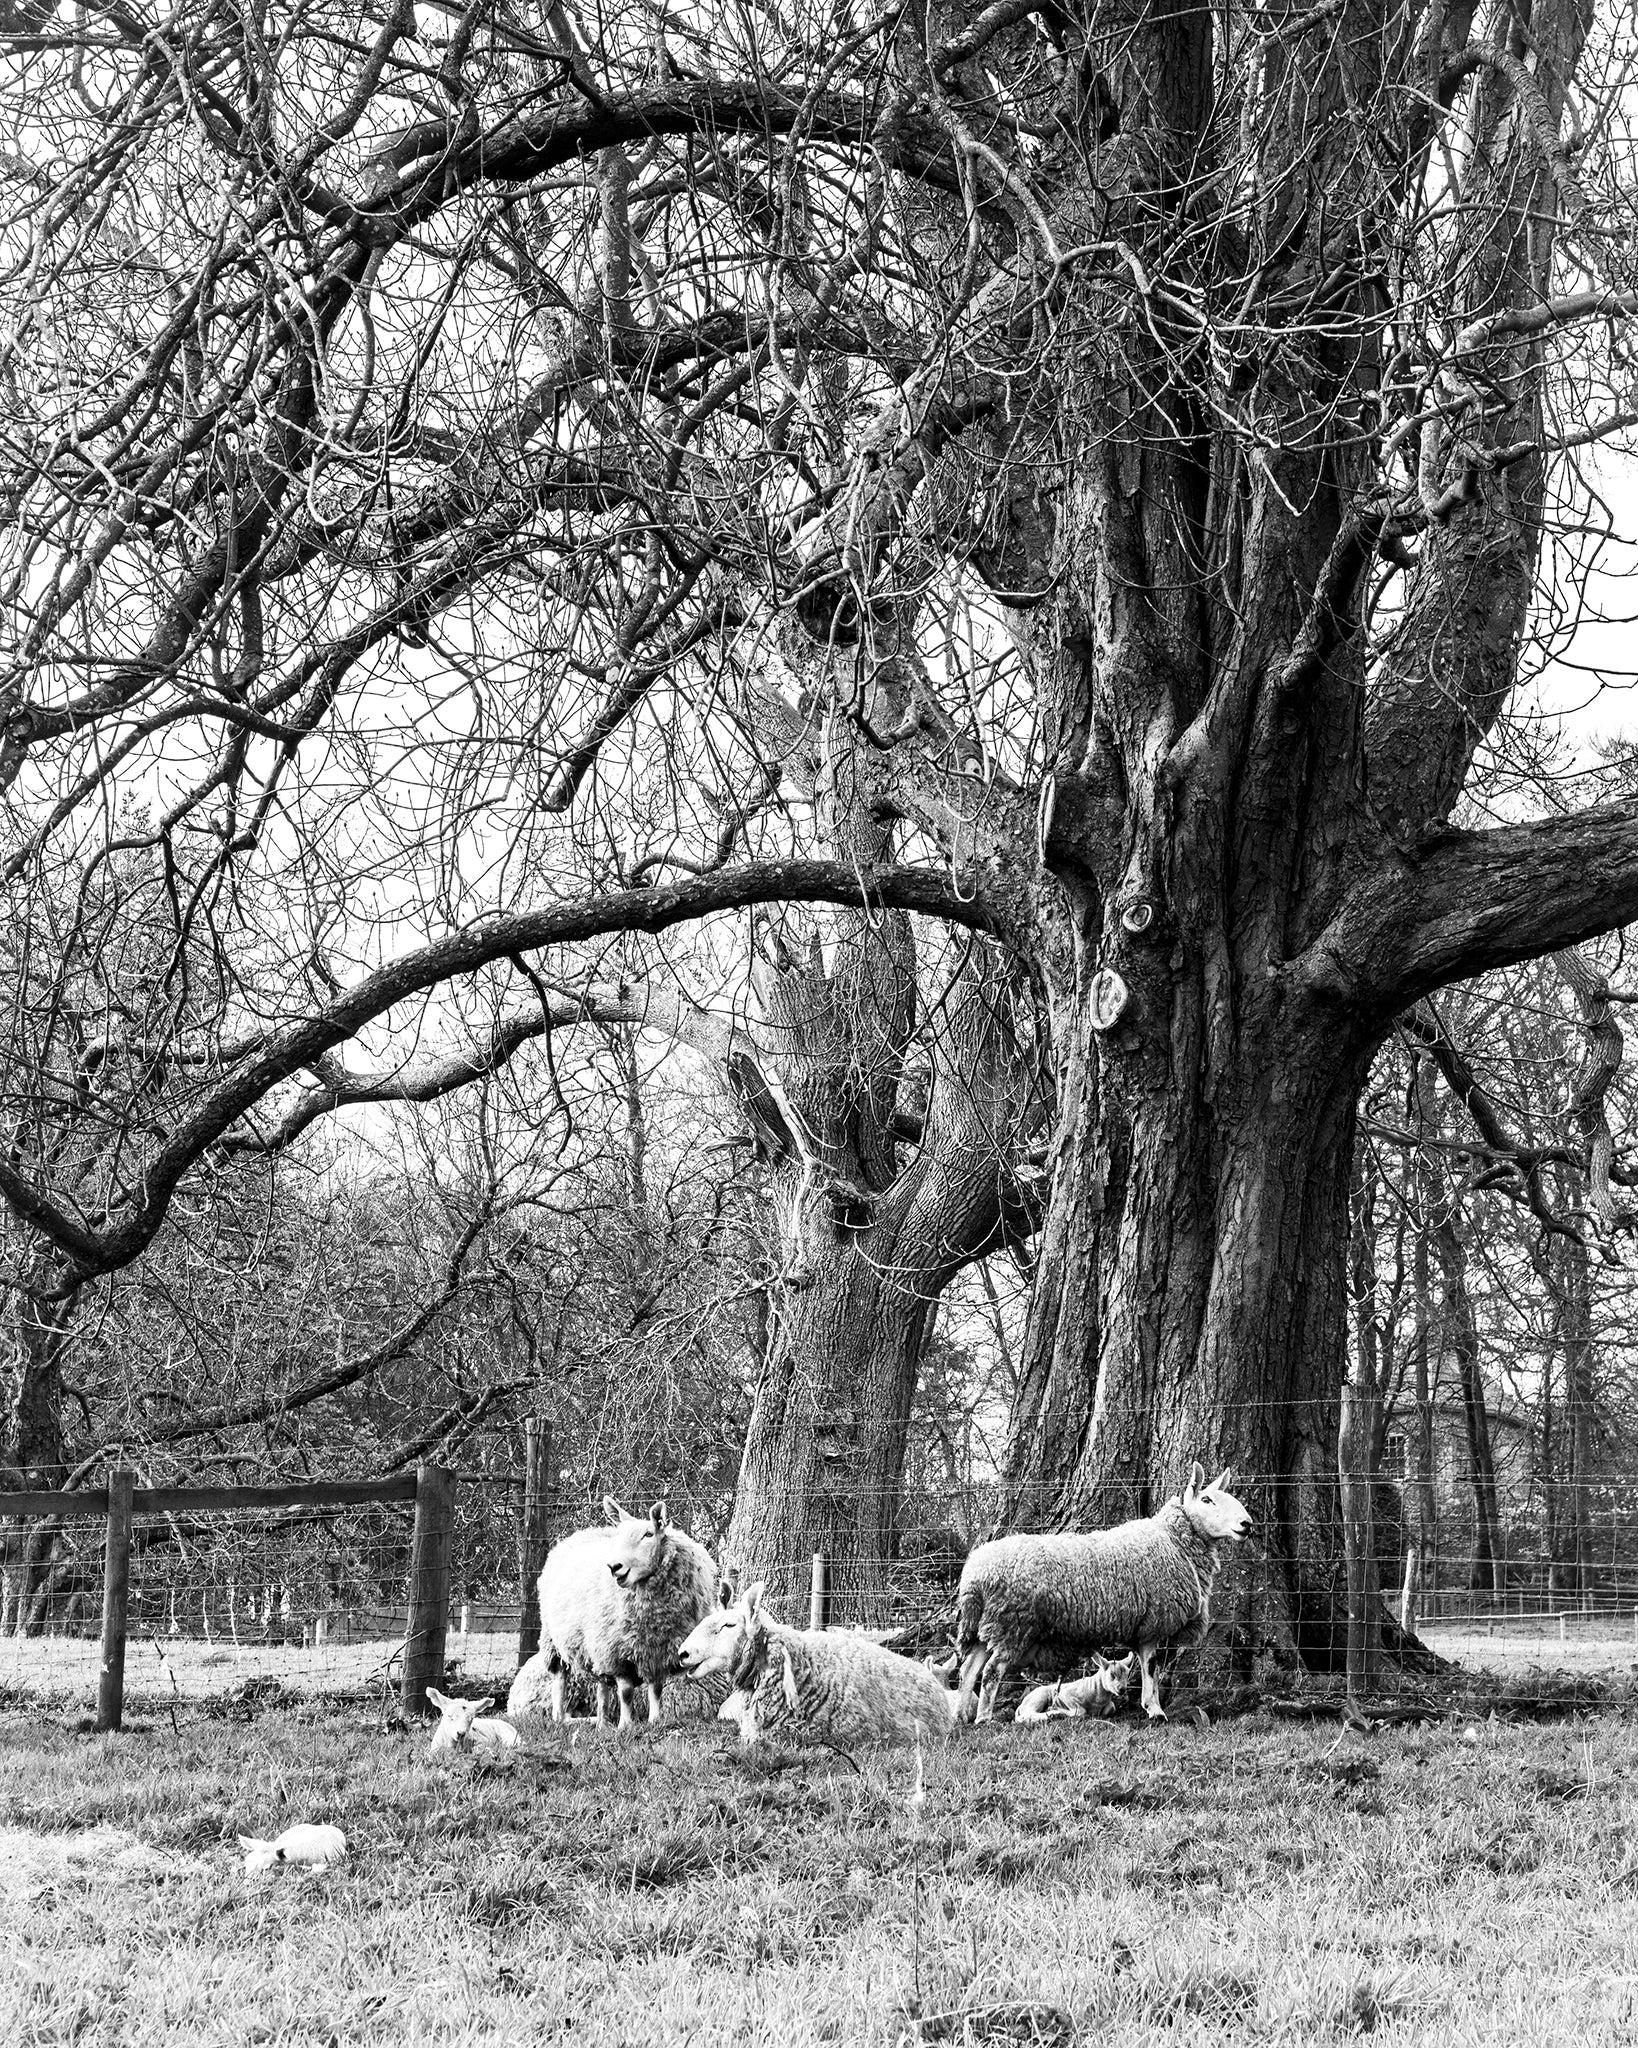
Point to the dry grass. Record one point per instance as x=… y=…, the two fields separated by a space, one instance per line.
x=1251 y=1882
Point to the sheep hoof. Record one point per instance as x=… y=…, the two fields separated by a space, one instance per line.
x=1155 y=1713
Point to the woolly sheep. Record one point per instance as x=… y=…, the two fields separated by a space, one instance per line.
x=531 y=1690
x=316 y=1844
x=839 y=1685
x=1048 y=1600
x=617 y=1600
x=1093 y=1698
x=464 y=1721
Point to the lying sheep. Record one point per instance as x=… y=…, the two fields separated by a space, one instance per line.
x=616 y=1601
x=1048 y=1600
x=464 y=1721
x=1093 y=1698
x=834 y=1684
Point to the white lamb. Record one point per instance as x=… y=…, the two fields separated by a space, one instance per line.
x=829 y=1682
x=1093 y=1698
x=316 y=1845
x=616 y=1601
x=1047 y=1601
x=464 y=1721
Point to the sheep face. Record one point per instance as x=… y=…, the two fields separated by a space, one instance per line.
x=712 y=1644
x=456 y=1719
x=637 y=1547
x=1213 y=1510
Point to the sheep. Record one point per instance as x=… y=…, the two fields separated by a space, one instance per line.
x=1093 y=1698
x=1047 y=1600
x=464 y=1721
x=616 y=1601
x=840 y=1685
x=316 y=1844
x=531 y=1689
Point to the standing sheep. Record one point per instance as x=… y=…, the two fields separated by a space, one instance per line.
x=1048 y=1600
x=842 y=1686
x=616 y=1601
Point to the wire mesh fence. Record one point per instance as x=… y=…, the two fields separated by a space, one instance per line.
x=246 y=1602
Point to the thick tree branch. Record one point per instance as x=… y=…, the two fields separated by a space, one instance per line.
x=1468 y=901
x=91 y=1249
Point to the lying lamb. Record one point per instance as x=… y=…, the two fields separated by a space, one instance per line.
x=316 y=1845
x=1048 y=1600
x=616 y=1601
x=838 y=1685
x=464 y=1721
x=1093 y=1698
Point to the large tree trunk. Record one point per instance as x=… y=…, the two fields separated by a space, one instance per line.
x=1191 y=1303
x=864 y=1244
x=824 y=1454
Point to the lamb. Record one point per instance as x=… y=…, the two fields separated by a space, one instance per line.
x=841 y=1686
x=464 y=1721
x=316 y=1844
x=1093 y=1698
x=616 y=1601
x=1048 y=1600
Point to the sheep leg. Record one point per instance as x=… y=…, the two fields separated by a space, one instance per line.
x=972 y=1670
x=656 y=1703
x=560 y=1694
x=628 y=1692
x=995 y=1674
x=605 y=1702
x=1147 y=1653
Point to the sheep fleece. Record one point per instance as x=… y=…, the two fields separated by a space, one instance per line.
x=623 y=1632
x=1047 y=1600
x=847 y=1687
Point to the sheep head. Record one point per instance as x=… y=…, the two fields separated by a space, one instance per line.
x=455 y=1719
x=638 y=1546
x=1213 y=1510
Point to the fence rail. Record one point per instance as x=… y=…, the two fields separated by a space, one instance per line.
x=431 y=1488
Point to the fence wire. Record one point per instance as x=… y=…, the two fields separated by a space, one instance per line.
x=245 y=1606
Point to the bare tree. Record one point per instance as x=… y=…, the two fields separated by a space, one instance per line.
x=463 y=468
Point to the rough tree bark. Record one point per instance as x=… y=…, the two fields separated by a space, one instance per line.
x=866 y=1240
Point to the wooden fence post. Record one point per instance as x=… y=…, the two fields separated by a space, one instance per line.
x=116 y=1585
x=819 y=1593
x=539 y=1485
x=429 y=1586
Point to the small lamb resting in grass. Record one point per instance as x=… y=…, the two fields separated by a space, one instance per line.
x=616 y=1601
x=1033 y=1601
x=1093 y=1698
x=841 y=1686
x=314 y=1844
x=465 y=1721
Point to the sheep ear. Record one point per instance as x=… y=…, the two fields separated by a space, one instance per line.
x=482 y=1706
x=612 y=1510
x=249 y=1842
x=439 y=1701
x=752 y=1602
x=658 y=1516
x=1223 y=1481
x=1197 y=1478
x=725 y=1591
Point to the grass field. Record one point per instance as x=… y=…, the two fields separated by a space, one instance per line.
x=1254 y=1881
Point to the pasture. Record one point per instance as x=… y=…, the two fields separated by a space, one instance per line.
x=1256 y=1880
